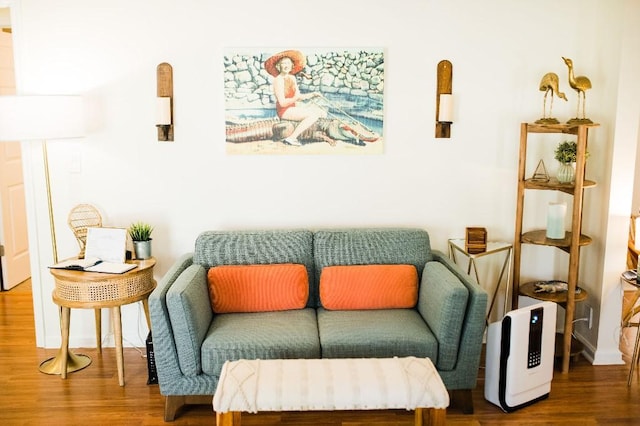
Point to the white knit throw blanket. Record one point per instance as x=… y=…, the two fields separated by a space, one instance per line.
x=329 y=384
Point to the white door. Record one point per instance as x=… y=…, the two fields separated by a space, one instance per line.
x=13 y=218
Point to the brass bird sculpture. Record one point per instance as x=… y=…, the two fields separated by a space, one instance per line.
x=549 y=83
x=580 y=84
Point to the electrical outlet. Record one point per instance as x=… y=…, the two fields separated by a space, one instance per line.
x=589 y=316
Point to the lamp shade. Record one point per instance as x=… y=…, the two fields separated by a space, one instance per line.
x=41 y=117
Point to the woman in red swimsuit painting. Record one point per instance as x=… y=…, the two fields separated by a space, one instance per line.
x=283 y=66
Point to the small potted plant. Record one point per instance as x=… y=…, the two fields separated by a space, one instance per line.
x=140 y=233
x=565 y=153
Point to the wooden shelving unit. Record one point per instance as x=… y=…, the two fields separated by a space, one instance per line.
x=573 y=240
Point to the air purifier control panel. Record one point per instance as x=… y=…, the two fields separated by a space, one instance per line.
x=535 y=337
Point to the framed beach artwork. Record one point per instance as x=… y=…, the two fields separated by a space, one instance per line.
x=304 y=100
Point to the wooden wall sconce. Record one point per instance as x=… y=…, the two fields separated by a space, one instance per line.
x=164 y=114
x=444 y=100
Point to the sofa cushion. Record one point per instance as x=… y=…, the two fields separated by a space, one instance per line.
x=365 y=246
x=258 y=288
x=190 y=313
x=215 y=248
x=443 y=304
x=375 y=333
x=369 y=287
x=260 y=335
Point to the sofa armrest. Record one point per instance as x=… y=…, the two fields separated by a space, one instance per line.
x=164 y=345
x=473 y=326
x=442 y=302
x=190 y=314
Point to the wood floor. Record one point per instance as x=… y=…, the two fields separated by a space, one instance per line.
x=588 y=395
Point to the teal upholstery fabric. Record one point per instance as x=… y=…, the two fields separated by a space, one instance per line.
x=190 y=313
x=191 y=343
x=442 y=302
x=215 y=248
x=369 y=246
x=465 y=373
x=379 y=333
x=171 y=379
x=260 y=335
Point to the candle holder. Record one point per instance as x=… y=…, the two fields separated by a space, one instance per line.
x=444 y=105
x=164 y=119
x=163 y=132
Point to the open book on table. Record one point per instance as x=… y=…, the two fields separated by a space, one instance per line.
x=105 y=252
x=94 y=264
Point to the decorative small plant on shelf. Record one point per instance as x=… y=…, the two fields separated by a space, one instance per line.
x=566 y=152
x=140 y=233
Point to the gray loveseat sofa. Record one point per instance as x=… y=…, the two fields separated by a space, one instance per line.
x=191 y=343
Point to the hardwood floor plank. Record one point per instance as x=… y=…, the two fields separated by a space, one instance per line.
x=588 y=395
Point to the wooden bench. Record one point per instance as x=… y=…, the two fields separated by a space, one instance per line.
x=331 y=384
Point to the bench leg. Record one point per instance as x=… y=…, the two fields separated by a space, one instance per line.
x=430 y=417
x=232 y=418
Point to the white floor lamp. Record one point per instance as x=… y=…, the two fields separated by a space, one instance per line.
x=45 y=118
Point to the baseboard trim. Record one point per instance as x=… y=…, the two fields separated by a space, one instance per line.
x=600 y=357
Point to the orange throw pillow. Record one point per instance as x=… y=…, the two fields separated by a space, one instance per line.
x=369 y=287
x=258 y=288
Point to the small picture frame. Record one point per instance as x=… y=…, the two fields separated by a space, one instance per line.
x=107 y=244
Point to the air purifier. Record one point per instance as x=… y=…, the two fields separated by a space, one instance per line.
x=519 y=357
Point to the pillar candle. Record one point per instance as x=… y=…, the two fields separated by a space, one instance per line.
x=163 y=110
x=555 y=220
x=445 y=113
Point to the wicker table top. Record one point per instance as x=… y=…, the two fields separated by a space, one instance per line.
x=79 y=289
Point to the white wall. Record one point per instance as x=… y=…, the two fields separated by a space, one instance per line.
x=108 y=52
x=617 y=208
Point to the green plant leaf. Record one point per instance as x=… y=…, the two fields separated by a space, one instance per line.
x=140 y=231
x=566 y=152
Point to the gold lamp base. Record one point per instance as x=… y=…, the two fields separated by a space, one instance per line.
x=74 y=363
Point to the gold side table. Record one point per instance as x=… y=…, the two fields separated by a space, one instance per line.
x=94 y=290
x=493 y=249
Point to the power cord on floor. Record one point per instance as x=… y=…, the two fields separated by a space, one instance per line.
x=141 y=351
x=109 y=335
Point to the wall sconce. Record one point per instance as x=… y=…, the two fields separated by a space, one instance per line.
x=444 y=100
x=164 y=102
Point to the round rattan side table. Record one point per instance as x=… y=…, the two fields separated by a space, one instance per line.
x=94 y=290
